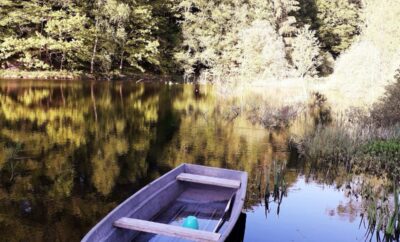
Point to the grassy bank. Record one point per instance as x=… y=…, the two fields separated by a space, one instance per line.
x=79 y=76
x=43 y=75
x=360 y=132
x=368 y=140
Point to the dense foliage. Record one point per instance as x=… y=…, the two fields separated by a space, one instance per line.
x=215 y=39
x=95 y=36
x=373 y=58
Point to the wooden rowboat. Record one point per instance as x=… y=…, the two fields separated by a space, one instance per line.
x=155 y=213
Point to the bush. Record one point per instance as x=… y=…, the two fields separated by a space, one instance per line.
x=387 y=111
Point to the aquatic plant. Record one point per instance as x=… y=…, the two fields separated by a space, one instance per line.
x=331 y=143
x=381 y=212
x=390 y=148
x=380 y=157
x=271 y=185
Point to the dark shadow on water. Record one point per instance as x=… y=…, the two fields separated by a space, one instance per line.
x=238 y=231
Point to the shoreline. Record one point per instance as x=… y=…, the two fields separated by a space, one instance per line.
x=341 y=96
x=81 y=76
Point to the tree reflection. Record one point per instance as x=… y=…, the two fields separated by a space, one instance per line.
x=70 y=152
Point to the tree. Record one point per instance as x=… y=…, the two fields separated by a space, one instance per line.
x=66 y=38
x=101 y=35
x=305 y=55
x=338 y=23
x=262 y=52
x=213 y=41
x=284 y=19
x=371 y=61
x=381 y=28
x=210 y=34
x=123 y=31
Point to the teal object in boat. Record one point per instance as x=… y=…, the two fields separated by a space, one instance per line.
x=191 y=222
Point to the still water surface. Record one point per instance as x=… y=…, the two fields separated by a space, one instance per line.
x=70 y=152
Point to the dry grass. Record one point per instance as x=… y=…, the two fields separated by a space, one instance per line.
x=340 y=96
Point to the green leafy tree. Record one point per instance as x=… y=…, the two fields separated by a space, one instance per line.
x=284 y=19
x=66 y=38
x=372 y=61
x=213 y=41
x=338 y=23
x=101 y=35
x=123 y=32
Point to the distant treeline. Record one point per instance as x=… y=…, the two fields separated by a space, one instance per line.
x=268 y=38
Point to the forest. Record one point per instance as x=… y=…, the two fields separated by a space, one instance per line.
x=201 y=39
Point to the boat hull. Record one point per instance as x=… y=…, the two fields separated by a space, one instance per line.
x=163 y=199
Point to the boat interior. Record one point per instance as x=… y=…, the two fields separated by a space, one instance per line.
x=157 y=211
x=207 y=203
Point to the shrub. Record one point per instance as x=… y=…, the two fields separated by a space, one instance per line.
x=380 y=157
x=387 y=111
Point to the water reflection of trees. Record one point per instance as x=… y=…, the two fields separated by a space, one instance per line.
x=96 y=143
x=86 y=147
x=71 y=152
x=77 y=143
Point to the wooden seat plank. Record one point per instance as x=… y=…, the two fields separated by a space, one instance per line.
x=208 y=180
x=166 y=229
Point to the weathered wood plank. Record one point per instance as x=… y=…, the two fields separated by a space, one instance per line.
x=209 y=180
x=166 y=229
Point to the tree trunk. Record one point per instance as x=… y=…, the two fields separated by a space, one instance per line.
x=62 y=61
x=94 y=49
x=122 y=58
x=122 y=61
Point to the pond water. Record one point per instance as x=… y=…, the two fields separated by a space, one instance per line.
x=71 y=151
